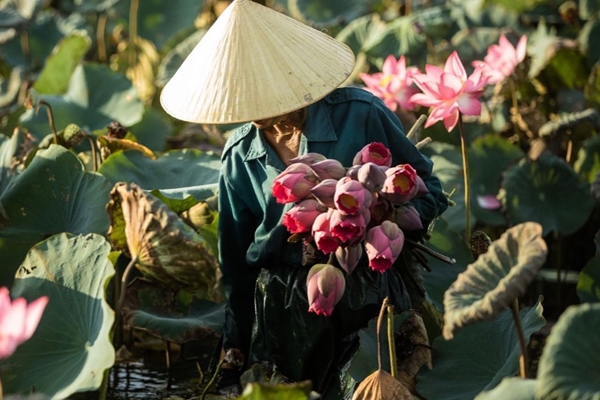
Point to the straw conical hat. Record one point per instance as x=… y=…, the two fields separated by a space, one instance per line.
x=255 y=63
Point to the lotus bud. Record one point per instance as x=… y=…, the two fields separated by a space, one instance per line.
x=199 y=215
x=371 y=176
x=325 y=285
x=329 y=169
x=349 y=256
x=374 y=152
x=352 y=172
x=380 y=209
x=321 y=232
x=383 y=245
x=300 y=218
x=400 y=185
x=324 y=192
x=421 y=187
x=308 y=159
x=349 y=229
x=350 y=196
x=294 y=183
x=408 y=219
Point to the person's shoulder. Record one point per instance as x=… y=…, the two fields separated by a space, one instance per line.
x=349 y=94
x=237 y=138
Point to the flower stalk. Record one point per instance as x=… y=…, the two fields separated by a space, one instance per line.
x=523 y=359
x=465 y=161
x=391 y=342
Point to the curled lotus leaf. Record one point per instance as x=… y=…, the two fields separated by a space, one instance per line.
x=496 y=279
x=570 y=364
x=166 y=250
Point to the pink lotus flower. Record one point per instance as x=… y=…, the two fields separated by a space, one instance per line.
x=294 y=183
x=18 y=321
x=374 y=152
x=300 y=218
x=349 y=256
x=502 y=59
x=383 y=245
x=449 y=91
x=394 y=84
x=329 y=169
x=325 y=285
x=489 y=202
x=408 y=219
x=350 y=196
x=308 y=159
x=401 y=184
x=371 y=176
x=321 y=232
x=380 y=210
x=324 y=192
x=349 y=229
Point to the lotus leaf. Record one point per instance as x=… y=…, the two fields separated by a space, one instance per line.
x=592 y=88
x=496 y=279
x=10 y=86
x=588 y=8
x=327 y=13
x=16 y=13
x=158 y=312
x=174 y=58
x=570 y=364
x=72 y=346
x=586 y=40
x=259 y=391
x=545 y=191
x=511 y=388
x=478 y=358
x=9 y=146
x=588 y=287
x=153 y=130
x=165 y=249
x=54 y=194
x=588 y=159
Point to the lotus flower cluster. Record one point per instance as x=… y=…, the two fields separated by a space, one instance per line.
x=348 y=212
x=502 y=59
x=18 y=321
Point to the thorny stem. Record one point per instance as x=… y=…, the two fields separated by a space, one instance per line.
x=133 y=19
x=379 y=321
x=212 y=380
x=465 y=160
x=50 y=117
x=524 y=359
x=100 y=36
x=391 y=342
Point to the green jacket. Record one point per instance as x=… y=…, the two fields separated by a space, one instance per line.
x=251 y=236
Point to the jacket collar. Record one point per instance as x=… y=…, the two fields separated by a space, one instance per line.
x=317 y=128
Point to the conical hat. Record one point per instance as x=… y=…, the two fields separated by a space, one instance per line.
x=255 y=63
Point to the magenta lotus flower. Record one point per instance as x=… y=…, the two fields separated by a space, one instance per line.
x=383 y=245
x=325 y=285
x=350 y=196
x=393 y=84
x=488 y=202
x=329 y=169
x=401 y=184
x=449 y=91
x=408 y=219
x=372 y=176
x=374 y=152
x=502 y=59
x=18 y=321
x=300 y=218
x=349 y=256
x=349 y=229
x=321 y=232
x=324 y=192
x=294 y=183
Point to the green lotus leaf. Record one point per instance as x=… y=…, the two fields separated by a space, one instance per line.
x=496 y=279
x=263 y=391
x=328 y=13
x=588 y=287
x=93 y=6
x=545 y=191
x=478 y=358
x=570 y=364
x=175 y=170
x=174 y=58
x=16 y=13
x=166 y=250
x=511 y=388
x=72 y=346
x=54 y=194
x=586 y=39
x=59 y=67
x=592 y=87
x=447 y=242
x=9 y=146
x=588 y=159
x=160 y=313
x=153 y=130
x=489 y=156
x=588 y=8
x=96 y=97
x=10 y=87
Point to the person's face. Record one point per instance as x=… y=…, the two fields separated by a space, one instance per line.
x=266 y=123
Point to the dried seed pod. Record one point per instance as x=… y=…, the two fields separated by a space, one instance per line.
x=380 y=385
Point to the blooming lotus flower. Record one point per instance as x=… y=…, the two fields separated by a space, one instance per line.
x=300 y=218
x=349 y=229
x=329 y=169
x=393 y=84
x=18 y=321
x=383 y=245
x=350 y=196
x=321 y=232
x=401 y=184
x=408 y=219
x=371 y=176
x=294 y=183
x=325 y=285
x=501 y=59
x=324 y=192
x=374 y=152
x=449 y=91
x=308 y=159
x=349 y=256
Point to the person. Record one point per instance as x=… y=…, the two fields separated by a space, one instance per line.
x=256 y=64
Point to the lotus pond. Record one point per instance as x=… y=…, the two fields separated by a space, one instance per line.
x=108 y=205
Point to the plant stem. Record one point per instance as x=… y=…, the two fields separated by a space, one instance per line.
x=559 y=295
x=416 y=126
x=524 y=359
x=212 y=380
x=133 y=20
x=465 y=160
x=124 y=282
x=379 y=321
x=26 y=50
x=391 y=342
x=100 y=36
x=1 y=391
x=50 y=117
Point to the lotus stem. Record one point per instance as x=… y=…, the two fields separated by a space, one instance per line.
x=100 y=36
x=431 y=252
x=524 y=359
x=26 y=49
x=133 y=20
x=391 y=342
x=95 y=152
x=559 y=257
x=50 y=117
x=213 y=379
x=124 y=282
x=1 y=390
x=515 y=106
x=423 y=143
x=379 y=321
x=465 y=160
x=416 y=126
